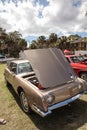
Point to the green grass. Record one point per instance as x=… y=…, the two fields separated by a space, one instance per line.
x=73 y=117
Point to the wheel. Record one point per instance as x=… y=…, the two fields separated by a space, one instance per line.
x=24 y=102
x=83 y=75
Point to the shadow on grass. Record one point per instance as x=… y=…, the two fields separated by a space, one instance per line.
x=70 y=117
x=16 y=97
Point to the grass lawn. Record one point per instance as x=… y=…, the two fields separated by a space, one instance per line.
x=72 y=117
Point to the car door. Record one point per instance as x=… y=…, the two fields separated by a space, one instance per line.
x=12 y=74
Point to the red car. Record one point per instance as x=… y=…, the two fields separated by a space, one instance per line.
x=79 y=64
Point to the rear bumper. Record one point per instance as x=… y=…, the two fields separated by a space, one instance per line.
x=63 y=103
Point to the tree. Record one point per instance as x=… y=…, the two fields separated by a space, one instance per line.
x=53 y=37
x=33 y=45
x=41 y=41
x=3 y=39
x=22 y=44
x=16 y=43
x=11 y=43
x=62 y=42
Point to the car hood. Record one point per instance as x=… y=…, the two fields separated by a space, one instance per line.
x=50 y=66
x=79 y=65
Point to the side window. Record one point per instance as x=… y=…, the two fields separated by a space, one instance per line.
x=13 y=67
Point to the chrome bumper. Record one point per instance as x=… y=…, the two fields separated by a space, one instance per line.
x=63 y=103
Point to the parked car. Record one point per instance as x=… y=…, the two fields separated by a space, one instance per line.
x=82 y=59
x=79 y=64
x=44 y=81
x=2 y=56
x=4 y=59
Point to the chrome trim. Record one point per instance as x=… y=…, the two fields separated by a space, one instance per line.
x=41 y=113
x=66 y=102
x=63 y=103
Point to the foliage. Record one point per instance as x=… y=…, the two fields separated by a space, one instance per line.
x=53 y=40
x=33 y=45
x=11 y=43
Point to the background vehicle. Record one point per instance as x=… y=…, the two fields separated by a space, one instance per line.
x=79 y=64
x=4 y=59
x=2 y=56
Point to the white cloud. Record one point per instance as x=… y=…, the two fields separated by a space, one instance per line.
x=30 y=18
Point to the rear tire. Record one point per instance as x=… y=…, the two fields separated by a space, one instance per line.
x=83 y=75
x=24 y=103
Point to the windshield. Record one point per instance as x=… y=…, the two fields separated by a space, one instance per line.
x=76 y=59
x=1 y=56
x=81 y=58
x=24 y=67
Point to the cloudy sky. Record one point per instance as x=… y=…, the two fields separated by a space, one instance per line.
x=33 y=18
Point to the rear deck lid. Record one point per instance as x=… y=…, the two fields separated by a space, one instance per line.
x=50 y=66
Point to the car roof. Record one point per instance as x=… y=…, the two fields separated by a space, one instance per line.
x=70 y=55
x=18 y=61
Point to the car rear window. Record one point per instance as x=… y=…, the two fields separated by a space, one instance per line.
x=24 y=67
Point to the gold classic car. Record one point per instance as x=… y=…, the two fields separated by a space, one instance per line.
x=44 y=81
